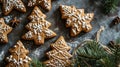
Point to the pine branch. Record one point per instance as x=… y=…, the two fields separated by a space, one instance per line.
x=115 y=48
x=109 y=5
x=92 y=54
x=89 y=55
x=36 y=63
x=113 y=60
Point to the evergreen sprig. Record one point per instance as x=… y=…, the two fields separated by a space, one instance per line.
x=90 y=54
x=109 y=6
x=36 y=63
x=115 y=57
x=113 y=60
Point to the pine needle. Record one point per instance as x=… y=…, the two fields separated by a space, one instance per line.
x=89 y=55
x=109 y=6
x=92 y=54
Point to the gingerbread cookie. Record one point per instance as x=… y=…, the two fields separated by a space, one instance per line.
x=38 y=27
x=46 y=4
x=8 y=6
x=18 y=57
x=60 y=44
x=76 y=19
x=59 y=56
x=4 y=30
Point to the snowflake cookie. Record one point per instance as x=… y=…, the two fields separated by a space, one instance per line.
x=4 y=30
x=59 y=56
x=46 y=4
x=76 y=19
x=9 y=5
x=18 y=57
x=38 y=27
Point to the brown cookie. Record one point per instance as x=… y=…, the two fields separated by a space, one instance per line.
x=60 y=44
x=38 y=27
x=58 y=63
x=4 y=30
x=76 y=19
x=18 y=57
x=59 y=56
x=46 y=4
x=9 y=5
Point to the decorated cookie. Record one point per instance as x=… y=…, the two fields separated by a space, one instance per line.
x=46 y=4
x=9 y=5
x=38 y=28
x=60 y=44
x=59 y=56
x=18 y=57
x=4 y=30
x=76 y=19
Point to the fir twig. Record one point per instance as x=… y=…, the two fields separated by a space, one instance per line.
x=116 y=52
x=89 y=55
x=109 y=5
x=93 y=54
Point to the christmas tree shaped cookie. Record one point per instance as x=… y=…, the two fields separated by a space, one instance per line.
x=38 y=28
x=59 y=56
x=8 y=6
x=18 y=57
x=76 y=19
x=4 y=30
x=46 y=4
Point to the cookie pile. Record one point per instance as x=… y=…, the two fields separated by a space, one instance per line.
x=38 y=31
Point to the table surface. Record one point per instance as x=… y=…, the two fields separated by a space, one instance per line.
x=58 y=26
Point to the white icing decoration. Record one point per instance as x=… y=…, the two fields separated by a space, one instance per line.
x=29 y=34
x=20 y=60
x=48 y=33
x=3 y=29
x=58 y=57
x=9 y=4
x=75 y=17
x=74 y=31
x=38 y=26
x=39 y=37
x=45 y=2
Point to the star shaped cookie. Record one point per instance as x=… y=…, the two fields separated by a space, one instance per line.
x=46 y=4
x=9 y=5
x=38 y=27
x=4 y=30
x=76 y=19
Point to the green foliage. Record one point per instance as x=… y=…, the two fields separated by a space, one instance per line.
x=89 y=55
x=36 y=63
x=92 y=54
x=115 y=49
x=109 y=6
